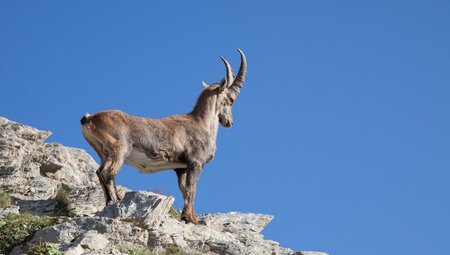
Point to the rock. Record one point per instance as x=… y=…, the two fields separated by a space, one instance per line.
x=35 y=206
x=14 y=209
x=75 y=250
x=79 y=232
x=93 y=241
x=21 y=131
x=134 y=222
x=143 y=209
x=310 y=253
x=223 y=234
x=235 y=222
x=33 y=171
x=63 y=233
x=86 y=200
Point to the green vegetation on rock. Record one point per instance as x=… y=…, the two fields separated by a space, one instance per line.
x=44 y=249
x=63 y=202
x=174 y=213
x=15 y=229
x=5 y=199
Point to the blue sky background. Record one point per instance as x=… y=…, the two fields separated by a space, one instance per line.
x=342 y=130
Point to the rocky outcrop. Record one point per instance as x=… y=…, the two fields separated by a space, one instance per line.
x=151 y=226
x=33 y=172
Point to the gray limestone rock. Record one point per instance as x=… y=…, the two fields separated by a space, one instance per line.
x=93 y=241
x=236 y=222
x=230 y=233
x=33 y=171
x=143 y=209
x=130 y=223
x=11 y=209
x=92 y=234
x=310 y=253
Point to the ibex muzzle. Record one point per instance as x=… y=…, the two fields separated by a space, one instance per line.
x=184 y=142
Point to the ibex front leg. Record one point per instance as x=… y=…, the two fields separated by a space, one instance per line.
x=192 y=175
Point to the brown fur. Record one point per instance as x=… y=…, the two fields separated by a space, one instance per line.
x=184 y=142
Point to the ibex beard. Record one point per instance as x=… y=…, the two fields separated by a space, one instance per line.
x=184 y=142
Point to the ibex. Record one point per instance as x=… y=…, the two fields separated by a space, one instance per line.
x=184 y=143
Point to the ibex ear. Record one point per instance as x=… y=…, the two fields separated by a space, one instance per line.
x=205 y=85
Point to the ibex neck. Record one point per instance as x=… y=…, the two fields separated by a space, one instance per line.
x=205 y=109
x=205 y=112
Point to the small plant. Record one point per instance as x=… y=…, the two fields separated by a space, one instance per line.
x=18 y=228
x=44 y=249
x=5 y=199
x=63 y=202
x=172 y=249
x=174 y=213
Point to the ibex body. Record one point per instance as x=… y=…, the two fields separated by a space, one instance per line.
x=182 y=142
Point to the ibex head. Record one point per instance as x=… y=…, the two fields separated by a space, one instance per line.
x=228 y=89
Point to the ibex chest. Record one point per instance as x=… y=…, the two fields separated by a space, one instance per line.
x=145 y=164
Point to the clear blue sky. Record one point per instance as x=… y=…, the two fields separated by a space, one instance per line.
x=342 y=130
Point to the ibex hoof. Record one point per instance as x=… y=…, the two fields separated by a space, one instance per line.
x=120 y=195
x=188 y=218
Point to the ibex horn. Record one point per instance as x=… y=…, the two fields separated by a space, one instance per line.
x=240 y=78
x=230 y=74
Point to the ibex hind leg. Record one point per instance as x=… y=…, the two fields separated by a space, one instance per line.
x=181 y=175
x=98 y=147
x=120 y=195
x=103 y=183
x=108 y=174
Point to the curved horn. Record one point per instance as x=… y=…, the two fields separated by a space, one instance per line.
x=230 y=74
x=240 y=78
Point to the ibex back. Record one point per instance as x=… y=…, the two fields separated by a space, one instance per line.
x=182 y=142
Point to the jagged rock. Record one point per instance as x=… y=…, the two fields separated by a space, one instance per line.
x=74 y=234
x=143 y=209
x=310 y=253
x=86 y=200
x=33 y=171
x=93 y=241
x=230 y=233
x=235 y=222
x=223 y=235
x=76 y=250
